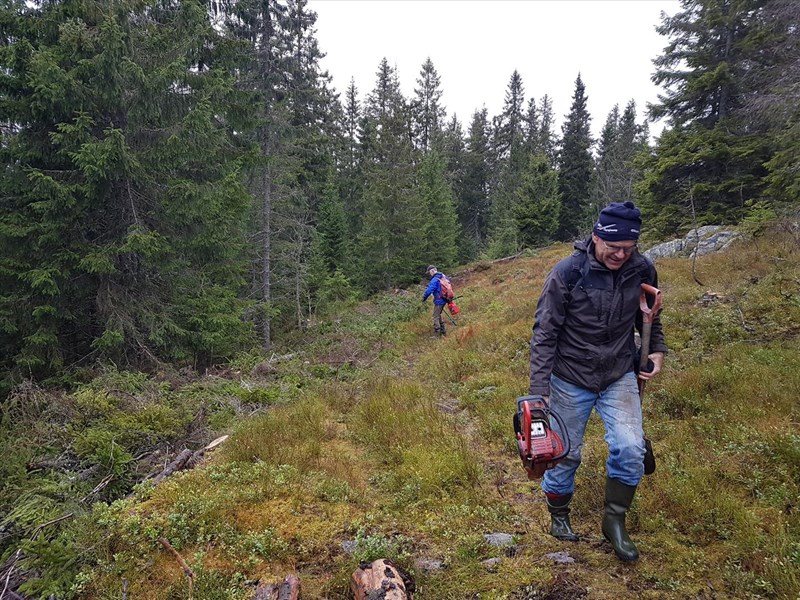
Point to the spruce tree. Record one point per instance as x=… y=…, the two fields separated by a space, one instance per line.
x=532 y=128
x=294 y=111
x=547 y=143
x=537 y=207
x=121 y=230
x=510 y=154
x=608 y=162
x=473 y=202
x=441 y=228
x=350 y=162
x=427 y=112
x=711 y=161
x=392 y=236
x=452 y=147
x=509 y=127
x=576 y=167
x=773 y=108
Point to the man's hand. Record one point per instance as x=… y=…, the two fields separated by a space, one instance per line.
x=657 y=358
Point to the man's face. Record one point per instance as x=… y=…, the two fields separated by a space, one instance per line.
x=432 y=272
x=613 y=254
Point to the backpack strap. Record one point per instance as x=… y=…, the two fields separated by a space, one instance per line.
x=578 y=267
x=575 y=272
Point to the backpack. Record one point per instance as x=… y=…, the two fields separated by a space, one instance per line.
x=446 y=289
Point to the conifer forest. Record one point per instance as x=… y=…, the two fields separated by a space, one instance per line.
x=183 y=184
x=180 y=179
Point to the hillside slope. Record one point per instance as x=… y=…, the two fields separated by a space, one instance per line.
x=374 y=439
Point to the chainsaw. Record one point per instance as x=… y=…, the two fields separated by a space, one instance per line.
x=540 y=448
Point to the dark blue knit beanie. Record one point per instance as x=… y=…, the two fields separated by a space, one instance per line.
x=618 y=221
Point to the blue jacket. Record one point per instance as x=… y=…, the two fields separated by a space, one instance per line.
x=435 y=288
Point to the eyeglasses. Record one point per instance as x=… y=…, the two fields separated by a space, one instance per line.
x=627 y=250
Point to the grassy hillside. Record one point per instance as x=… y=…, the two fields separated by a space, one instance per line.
x=373 y=439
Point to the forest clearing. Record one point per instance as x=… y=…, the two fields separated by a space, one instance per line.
x=372 y=440
x=217 y=380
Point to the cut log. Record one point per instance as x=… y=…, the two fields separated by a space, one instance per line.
x=216 y=442
x=379 y=579
x=176 y=465
x=187 y=459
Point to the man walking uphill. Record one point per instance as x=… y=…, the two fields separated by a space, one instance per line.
x=583 y=357
x=435 y=288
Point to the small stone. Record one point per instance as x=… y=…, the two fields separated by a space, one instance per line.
x=560 y=557
x=491 y=563
x=428 y=564
x=500 y=540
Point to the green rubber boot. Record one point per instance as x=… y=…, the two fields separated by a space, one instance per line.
x=560 y=528
x=618 y=500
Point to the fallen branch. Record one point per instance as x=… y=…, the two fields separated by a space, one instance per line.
x=7 y=568
x=11 y=564
x=39 y=528
x=103 y=483
x=186 y=570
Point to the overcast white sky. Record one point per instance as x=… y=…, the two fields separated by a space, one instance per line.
x=475 y=46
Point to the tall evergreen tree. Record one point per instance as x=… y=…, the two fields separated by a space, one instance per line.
x=293 y=110
x=313 y=125
x=453 y=151
x=120 y=227
x=427 y=112
x=576 y=166
x=607 y=162
x=774 y=86
x=547 y=143
x=350 y=163
x=537 y=207
x=711 y=158
x=510 y=154
x=621 y=140
x=532 y=128
x=509 y=127
x=441 y=230
x=473 y=202
x=331 y=248
x=392 y=236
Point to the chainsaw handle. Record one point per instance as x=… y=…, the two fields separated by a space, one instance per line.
x=530 y=398
x=524 y=407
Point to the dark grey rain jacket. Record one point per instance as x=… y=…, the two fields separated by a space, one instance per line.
x=585 y=319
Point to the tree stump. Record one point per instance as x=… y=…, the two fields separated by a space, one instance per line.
x=378 y=580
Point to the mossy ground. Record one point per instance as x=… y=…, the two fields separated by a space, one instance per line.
x=376 y=440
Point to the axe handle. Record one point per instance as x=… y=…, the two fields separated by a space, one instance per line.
x=645 y=351
x=648 y=314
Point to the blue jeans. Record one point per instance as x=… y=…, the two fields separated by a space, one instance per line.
x=620 y=409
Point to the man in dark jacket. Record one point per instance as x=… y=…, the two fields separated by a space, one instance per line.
x=583 y=357
x=435 y=288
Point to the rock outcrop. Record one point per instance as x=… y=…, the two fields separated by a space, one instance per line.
x=701 y=241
